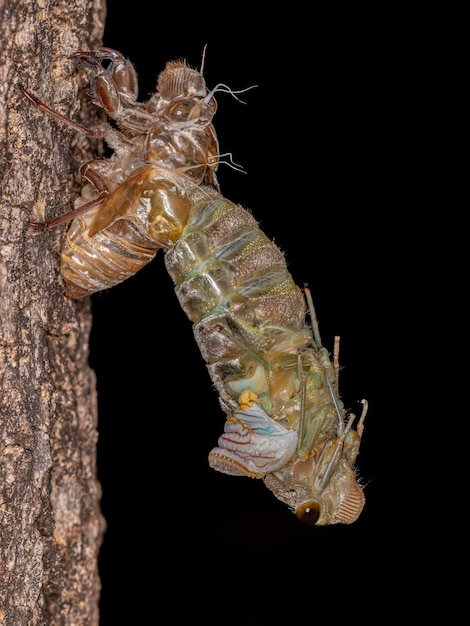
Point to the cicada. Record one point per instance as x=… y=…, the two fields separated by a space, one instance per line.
x=256 y=329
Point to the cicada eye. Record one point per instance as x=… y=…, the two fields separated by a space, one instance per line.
x=308 y=512
x=179 y=111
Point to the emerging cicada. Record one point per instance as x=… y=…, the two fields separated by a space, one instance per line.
x=277 y=385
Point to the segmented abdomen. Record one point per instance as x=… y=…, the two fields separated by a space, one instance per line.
x=90 y=264
x=112 y=241
x=232 y=281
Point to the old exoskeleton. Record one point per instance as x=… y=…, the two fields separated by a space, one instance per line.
x=145 y=130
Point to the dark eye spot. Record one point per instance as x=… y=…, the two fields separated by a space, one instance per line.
x=107 y=64
x=308 y=512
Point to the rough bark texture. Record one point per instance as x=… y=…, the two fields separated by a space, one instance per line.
x=51 y=526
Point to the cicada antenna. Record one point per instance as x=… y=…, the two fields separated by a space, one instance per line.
x=220 y=158
x=313 y=317
x=223 y=88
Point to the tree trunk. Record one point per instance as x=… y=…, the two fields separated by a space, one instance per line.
x=51 y=524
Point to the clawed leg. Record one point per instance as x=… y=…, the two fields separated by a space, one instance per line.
x=70 y=215
x=99 y=183
x=96 y=132
x=360 y=424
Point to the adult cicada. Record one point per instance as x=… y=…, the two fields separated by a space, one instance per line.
x=277 y=385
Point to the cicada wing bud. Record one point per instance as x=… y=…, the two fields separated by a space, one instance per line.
x=253 y=444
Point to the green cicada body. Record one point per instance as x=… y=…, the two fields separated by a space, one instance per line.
x=285 y=422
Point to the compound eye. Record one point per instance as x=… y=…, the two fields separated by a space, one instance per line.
x=308 y=512
x=179 y=111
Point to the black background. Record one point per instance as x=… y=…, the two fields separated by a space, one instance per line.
x=314 y=139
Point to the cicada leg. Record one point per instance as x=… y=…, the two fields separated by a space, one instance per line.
x=336 y=362
x=67 y=217
x=98 y=182
x=96 y=132
x=303 y=392
x=254 y=441
x=303 y=364
x=360 y=424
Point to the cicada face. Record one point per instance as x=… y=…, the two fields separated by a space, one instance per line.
x=313 y=473
x=182 y=98
x=323 y=491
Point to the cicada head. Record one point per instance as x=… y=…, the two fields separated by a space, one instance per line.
x=318 y=483
x=182 y=96
x=183 y=137
x=323 y=489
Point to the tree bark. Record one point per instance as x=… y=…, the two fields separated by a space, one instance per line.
x=51 y=526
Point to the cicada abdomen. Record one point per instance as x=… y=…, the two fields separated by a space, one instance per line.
x=149 y=210
x=285 y=422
